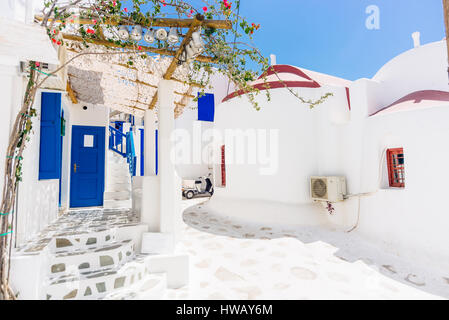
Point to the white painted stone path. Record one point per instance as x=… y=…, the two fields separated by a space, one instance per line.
x=234 y=260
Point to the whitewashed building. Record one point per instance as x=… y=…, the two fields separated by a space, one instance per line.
x=386 y=136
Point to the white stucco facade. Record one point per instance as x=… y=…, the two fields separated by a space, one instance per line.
x=347 y=135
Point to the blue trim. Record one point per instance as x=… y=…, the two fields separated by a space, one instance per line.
x=131 y=153
x=206 y=107
x=142 y=152
x=60 y=167
x=50 y=132
x=157 y=152
x=116 y=139
x=87 y=183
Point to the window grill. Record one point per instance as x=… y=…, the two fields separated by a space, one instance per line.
x=396 y=168
x=223 y=166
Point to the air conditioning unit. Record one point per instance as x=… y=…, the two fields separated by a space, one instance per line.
x=45 y=67
x=331 y=189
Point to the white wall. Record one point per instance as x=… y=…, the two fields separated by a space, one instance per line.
x=38 y=200
x=298 y=140
x=421 y=68
x=199 y=165
x=21 y=10
x=410 y=222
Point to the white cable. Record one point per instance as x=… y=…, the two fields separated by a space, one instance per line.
x=379 y=181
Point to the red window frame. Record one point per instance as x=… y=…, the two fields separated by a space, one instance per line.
x=223 y=166
x=396 y=167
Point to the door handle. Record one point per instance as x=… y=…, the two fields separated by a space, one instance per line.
x=74 y=167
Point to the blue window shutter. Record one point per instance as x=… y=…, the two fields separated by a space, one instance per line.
x=50 y=136
x=206 y=107
x=157 y=152
x=142 y=152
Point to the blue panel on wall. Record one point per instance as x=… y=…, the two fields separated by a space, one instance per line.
x=50 y=136
x=206 y=107
x=157 y=152
x=142 y=152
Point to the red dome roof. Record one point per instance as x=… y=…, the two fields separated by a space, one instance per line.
x=417 y=100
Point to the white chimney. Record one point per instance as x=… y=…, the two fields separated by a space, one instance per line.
x=416 y=39
x=273 y=59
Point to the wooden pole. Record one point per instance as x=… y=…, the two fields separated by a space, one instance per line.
x=446 y=22
x=144 y=48
x=197 y=22
x=158 y=22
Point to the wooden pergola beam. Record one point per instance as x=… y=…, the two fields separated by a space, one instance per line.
x=197 y=22
x=158 y=22
x=71 y=93
x=106 y=43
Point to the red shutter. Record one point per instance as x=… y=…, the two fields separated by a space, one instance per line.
x=223 y=166
x=396 y=167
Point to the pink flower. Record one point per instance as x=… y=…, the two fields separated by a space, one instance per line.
x=139 y=48
x=90 y=31
x=126 y=9
x=37 y=64
x=204 y=9
x=114 y=3
x=94 y=21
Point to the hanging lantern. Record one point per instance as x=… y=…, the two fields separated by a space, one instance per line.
x=198 y=42
x=173 y=36
x=161 y=34
x=123 y=33
x=149 y=36
x=110 y=33
x=190 y=51
x=136 y=33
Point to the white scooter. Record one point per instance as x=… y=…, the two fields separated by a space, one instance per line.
x=200 y=186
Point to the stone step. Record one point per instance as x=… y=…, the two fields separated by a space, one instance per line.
x=114 y=187
x=115 y=179
x=114 y=167
x=116 y=157
x=152 y=287
x=115 y=204
x=111 y=255
x=96 y=284
x=117 y=195
x=74 y=241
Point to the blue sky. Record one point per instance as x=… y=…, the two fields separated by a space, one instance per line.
x=330 y=36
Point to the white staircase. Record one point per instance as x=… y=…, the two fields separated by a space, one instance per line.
x=89 y=254
x=118 y=182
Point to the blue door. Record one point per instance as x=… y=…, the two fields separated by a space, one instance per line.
x=87 y=166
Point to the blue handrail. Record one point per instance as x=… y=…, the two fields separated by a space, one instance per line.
x=117 y=141
x=131 y=153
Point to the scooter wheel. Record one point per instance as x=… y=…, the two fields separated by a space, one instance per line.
x=189 y=194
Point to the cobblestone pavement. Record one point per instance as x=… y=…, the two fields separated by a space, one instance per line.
x=233 y=260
